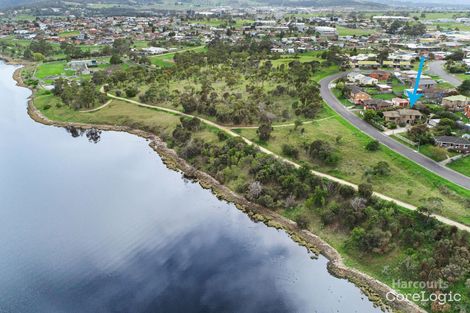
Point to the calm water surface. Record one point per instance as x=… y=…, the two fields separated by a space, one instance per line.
x=106 y=227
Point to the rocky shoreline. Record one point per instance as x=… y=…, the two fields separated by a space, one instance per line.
x=375 y=290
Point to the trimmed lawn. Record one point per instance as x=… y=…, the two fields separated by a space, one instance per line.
x=52 y=69
x=461 y=165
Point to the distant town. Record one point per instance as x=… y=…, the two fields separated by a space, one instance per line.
x=306 y=113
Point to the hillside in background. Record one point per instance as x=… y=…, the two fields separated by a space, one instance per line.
x=199 y=3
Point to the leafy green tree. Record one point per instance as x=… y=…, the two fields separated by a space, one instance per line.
x=464 y=88
x=115 y=59
x=264 y=131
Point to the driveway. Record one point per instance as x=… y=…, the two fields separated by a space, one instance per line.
x=405 y=151
x=437 y=68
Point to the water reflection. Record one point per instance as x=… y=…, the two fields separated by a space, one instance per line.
x=108 y=228
x=93 y=134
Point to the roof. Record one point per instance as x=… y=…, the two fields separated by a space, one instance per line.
x=368 y=63
x=401 y=100
x=409 y=112
x=391 y=114
x=456 y=98
x=452 y=139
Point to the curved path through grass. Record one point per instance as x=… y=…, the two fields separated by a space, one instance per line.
x=230 y=132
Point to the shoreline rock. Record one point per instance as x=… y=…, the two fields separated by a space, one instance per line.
x=375 y=290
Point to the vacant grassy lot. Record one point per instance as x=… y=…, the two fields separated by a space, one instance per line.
x=461 y=165
x=166 y=59
x=346 y=31
x=52 y=69
x=407 y=181
x=70 y=33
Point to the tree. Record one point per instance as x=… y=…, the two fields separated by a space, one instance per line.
x=264 y=131
x=437 y=153
x=373 y=145
x=456 y=56
x=322 y=150
x=464 y=88
x=115 y=59
x=38 y=57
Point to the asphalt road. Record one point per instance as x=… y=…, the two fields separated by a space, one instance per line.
x=437 y=68
x=405 y=151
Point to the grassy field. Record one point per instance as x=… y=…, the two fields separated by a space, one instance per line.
x=346 y=31
x=461 y=165
x=52 y=69
x=301 y=57
x=408 y=181
x=166 y=59
x=116 y=113
x=216 y=22
x=70 y=33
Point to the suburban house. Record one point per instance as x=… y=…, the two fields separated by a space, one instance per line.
x=456 y=143
x=424 y=83
x=326 y=32
x=82 y=66
x=380 y=75
x=361 y=79
x=154 y=50
x=367 y=81
x=402 y=116
x=467 y=110
x=455 y=103
x=377 y=104
x=357 y=96
x=384 y=88
x=400 y=102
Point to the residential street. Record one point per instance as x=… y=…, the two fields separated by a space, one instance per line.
x=437 y=68
x=422 y=160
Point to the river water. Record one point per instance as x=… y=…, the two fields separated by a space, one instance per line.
x=103 y=226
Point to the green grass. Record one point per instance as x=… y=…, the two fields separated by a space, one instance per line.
x=117 y=113
x=301 y=57
x=141 y=44
x=52 y=69
x=461 y=165
x=355 y=160
x=24 y=17
x=166 y=59
x=340 y=97
x=325 y=72
x=70 y=33
x=218 y=22
x=346 y=31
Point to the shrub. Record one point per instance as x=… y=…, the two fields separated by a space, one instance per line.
x=365 y=190
x=47 y=107
x=373 y=145
x=290 y=151
x=131 y=92
x=302 y=221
